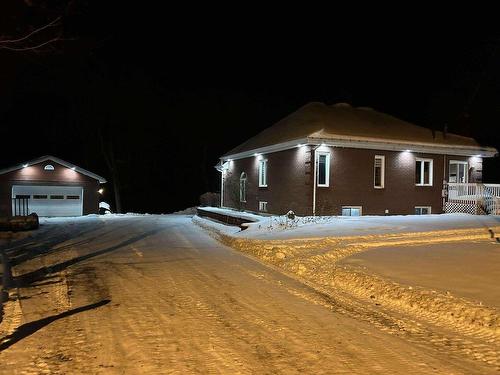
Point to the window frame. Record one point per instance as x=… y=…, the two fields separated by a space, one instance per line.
x=262 y=170
x=262 y=206
x=431 y=171
x=243 y=183
x=360 y=208
x=327 y=168
x=382 y=171
x=429 y=209
x=466 y=174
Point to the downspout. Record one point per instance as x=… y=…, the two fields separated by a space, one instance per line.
x=445 y=185
x=222 y=188
x=313 y=151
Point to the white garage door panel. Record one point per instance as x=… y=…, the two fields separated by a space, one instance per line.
x=52 y=207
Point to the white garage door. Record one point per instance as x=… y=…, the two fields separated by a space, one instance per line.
x=51 y=200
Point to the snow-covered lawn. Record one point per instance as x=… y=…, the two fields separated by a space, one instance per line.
x=468 y=269
x=280 y=227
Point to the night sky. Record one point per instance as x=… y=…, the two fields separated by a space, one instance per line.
x=168 y=92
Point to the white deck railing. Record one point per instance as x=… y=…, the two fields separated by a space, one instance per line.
x=485 y=197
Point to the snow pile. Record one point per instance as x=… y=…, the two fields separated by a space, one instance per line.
x=186 y=211
x=316 y=259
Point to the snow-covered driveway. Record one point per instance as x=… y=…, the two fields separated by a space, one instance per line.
x=157 y=295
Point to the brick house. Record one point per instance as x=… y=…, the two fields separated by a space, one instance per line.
x=49 y=186
x=341 y=160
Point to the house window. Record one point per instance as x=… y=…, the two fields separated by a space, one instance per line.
x=458 y=172
x=243 y=187
x=422 y=210
x=262 y=173
x=379 y=172
x=57 y=197
x=49 y=167
x=36 y=196
x=323 y=168
x=263 y=206
x=351 y=210
x=72 y=197
x=423 y=172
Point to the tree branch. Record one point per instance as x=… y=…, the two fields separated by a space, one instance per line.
x=50 y=24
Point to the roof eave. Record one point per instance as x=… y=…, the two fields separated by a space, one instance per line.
x=41 y=159
x=374 y=144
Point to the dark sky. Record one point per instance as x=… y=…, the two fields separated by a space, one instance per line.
x=171 y=91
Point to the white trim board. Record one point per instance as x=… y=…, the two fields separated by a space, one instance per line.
x=41 y=159
x=369 y=143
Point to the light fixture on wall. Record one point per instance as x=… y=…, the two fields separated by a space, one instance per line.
x=100 y=191
x=25 y=165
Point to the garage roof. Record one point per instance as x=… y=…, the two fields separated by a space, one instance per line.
x=41 y=159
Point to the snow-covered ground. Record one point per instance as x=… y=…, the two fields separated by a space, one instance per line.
x=280 y=227
x=180 y=302
x=340 y=226
x=331 y=262
x=155 y=294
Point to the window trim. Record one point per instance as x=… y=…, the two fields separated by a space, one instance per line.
x=262 y=176
x=431 y=171
x=382 y=172
x=466 y=163
x=429 y=209
x=243 y=192
x=327 y=168
x=351 y=207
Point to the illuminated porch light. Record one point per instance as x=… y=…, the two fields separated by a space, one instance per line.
x=407 y=151
x=300 y=145
x=25 y=165
x=73 y=168
x=100 y=191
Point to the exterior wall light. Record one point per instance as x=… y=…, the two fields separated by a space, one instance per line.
x=73 y=168
x=25 y=165
x=100 y=191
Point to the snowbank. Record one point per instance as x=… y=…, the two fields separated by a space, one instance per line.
x=279 y=227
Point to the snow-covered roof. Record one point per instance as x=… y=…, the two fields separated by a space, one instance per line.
x=41 y=159
x=341 y=121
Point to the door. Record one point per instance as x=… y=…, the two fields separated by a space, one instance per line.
x=458 y=172
x=51 y=201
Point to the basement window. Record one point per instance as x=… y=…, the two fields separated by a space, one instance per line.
x=422 y=210
x=423 y=172
x=351 y=210
x=263 y=206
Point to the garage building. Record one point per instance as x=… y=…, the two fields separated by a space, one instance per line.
x=49 y=186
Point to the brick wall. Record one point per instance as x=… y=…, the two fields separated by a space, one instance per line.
x=290 y=187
